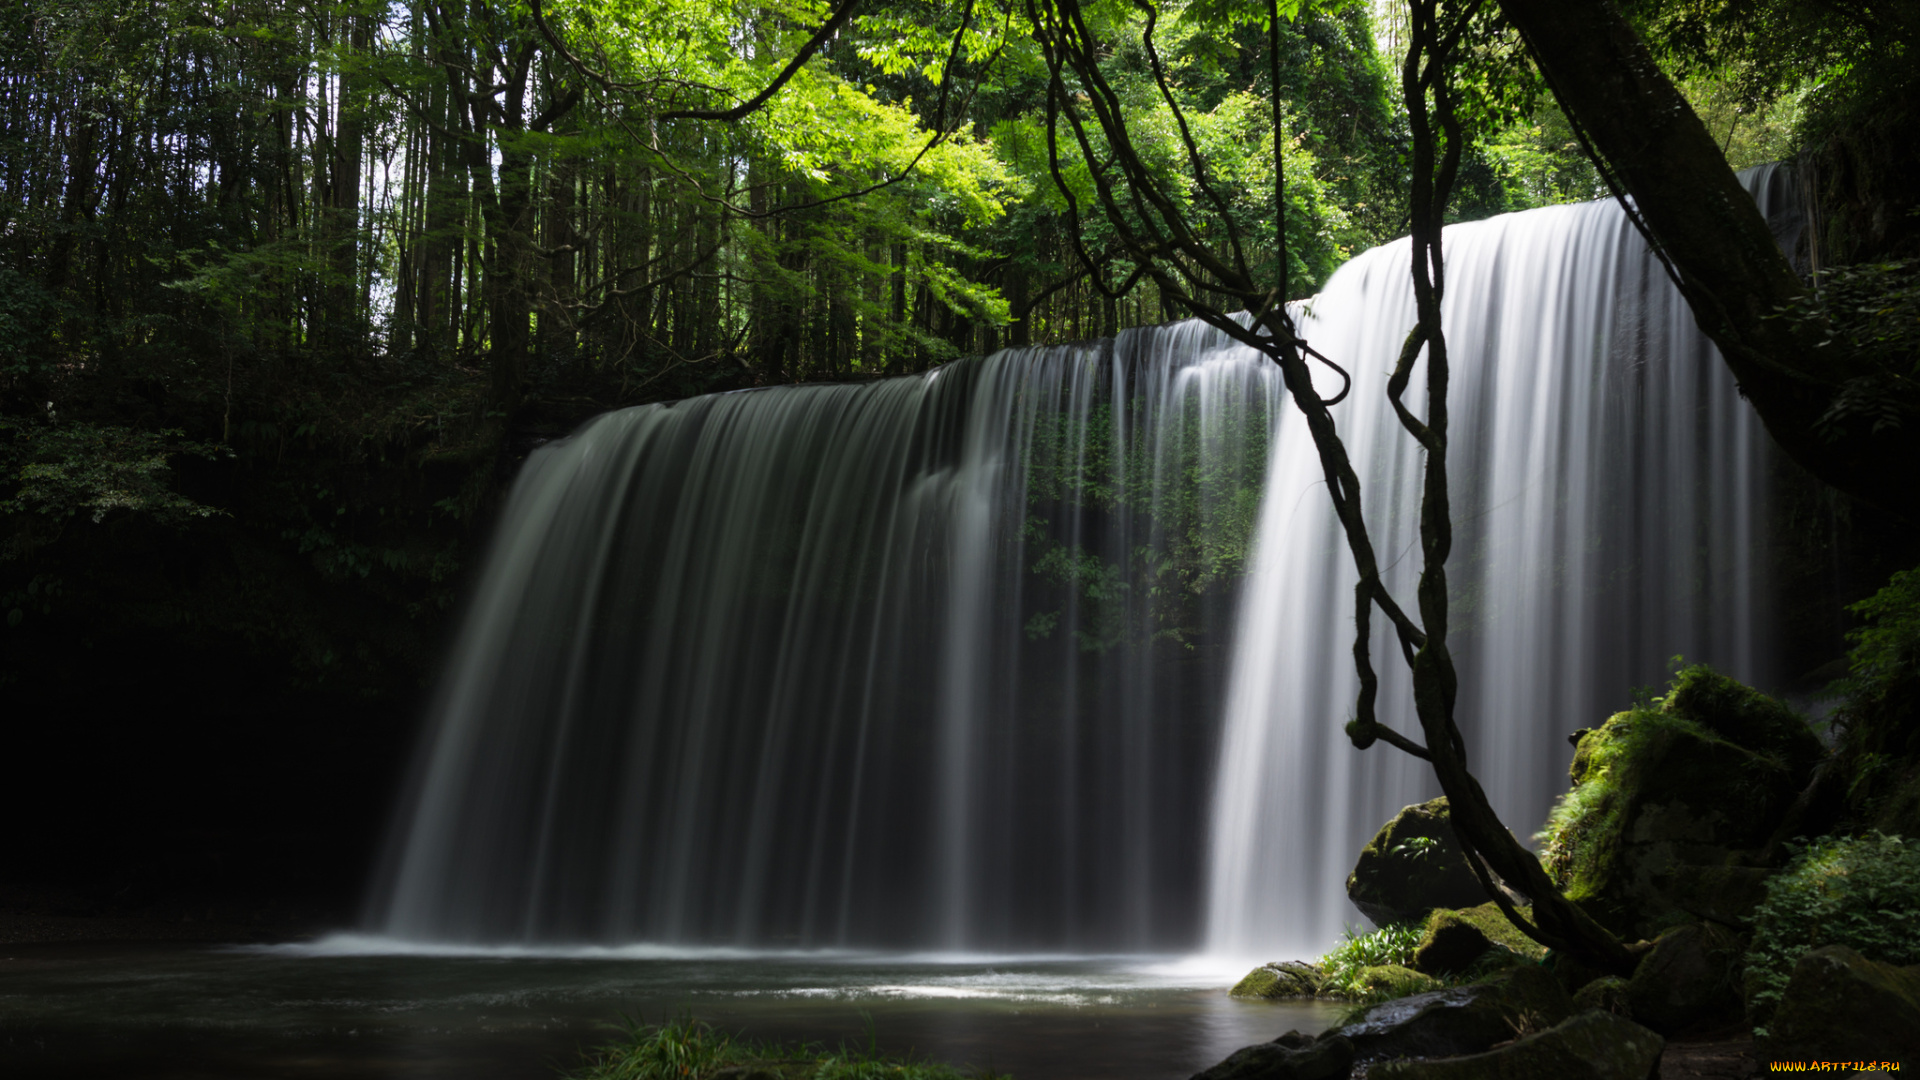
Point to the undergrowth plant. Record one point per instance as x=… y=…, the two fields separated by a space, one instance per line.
x=1391 y=944
x=1862 y=892
x=689 y=1049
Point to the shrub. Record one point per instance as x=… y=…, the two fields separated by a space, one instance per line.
x=1863 y=893
x=1878 y=766
x=1392 y=944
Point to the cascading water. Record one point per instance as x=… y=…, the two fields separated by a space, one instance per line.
x=1608 y=514
x=920 y=662
x=941 y=661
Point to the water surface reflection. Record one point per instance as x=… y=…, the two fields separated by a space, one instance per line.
x=359 y=1007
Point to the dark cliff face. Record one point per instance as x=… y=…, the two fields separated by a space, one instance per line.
x=163 y=774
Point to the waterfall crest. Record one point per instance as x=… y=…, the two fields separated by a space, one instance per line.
x=1049 y=649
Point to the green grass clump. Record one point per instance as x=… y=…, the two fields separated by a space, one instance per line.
x=1863 y=893
x=689 y=1049
x=1344 y=965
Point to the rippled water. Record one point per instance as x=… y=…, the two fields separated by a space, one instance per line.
x=356 y=1006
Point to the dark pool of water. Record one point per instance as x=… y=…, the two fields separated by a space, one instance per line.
x=348 y=1009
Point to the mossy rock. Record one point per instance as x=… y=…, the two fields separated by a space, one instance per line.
x=1393 y=981
x=1282 y=979
x=1686 y=981
x=1608 y=993
x=1455 y=939
x=1746 y=717
x=1590 y=1046
x=1842 y=1006
x=1458 y=938
x=1667 y=811
x=1412 y=866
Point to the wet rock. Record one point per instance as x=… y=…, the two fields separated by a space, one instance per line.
x=1840 y=1006
x=1607 y=993
x=1590 y=1046
x=1460 y=1019
x=1290 y=1057
x=1687 y=980
x=1455 y=939
x=1573 y=974
x=1412 y=866
x=1281 y=979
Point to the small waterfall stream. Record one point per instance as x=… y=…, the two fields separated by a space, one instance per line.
x=1048 y=650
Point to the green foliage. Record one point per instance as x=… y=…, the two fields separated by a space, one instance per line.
x=1886 y=644
x=60 y=470
x=1416 y=847
x=1345 y=964
x=1879 y=745
x=689 y=1049
x=1862 y=892
x=1870 y=311
x=1196 y=504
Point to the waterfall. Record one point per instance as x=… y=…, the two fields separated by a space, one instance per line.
x=929 y=661
x=1049 y=649
x=1608 y=507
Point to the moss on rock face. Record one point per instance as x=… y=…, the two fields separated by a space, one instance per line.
x=1669 y=799
x=1412 y=866
x=1590 y=1046
x=1455 y=940
x=1746 y=717
x=1608 y=993
x=1284 y=979
x=1393 y=981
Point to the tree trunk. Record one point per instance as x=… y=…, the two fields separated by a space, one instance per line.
x=1731 y=272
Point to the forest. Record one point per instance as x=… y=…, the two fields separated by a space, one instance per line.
x=290 y=290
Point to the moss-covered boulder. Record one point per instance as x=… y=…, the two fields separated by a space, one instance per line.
x=1687 y=980
x=1281 y=979
x=1840 y=1006
x=1413 y=865
x=1393 y=981
x=1454 y=940
x=1608 y=993
x=1746 y=717
x=1460 y=1019
x=1671 y=804
x=1590 y=1046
